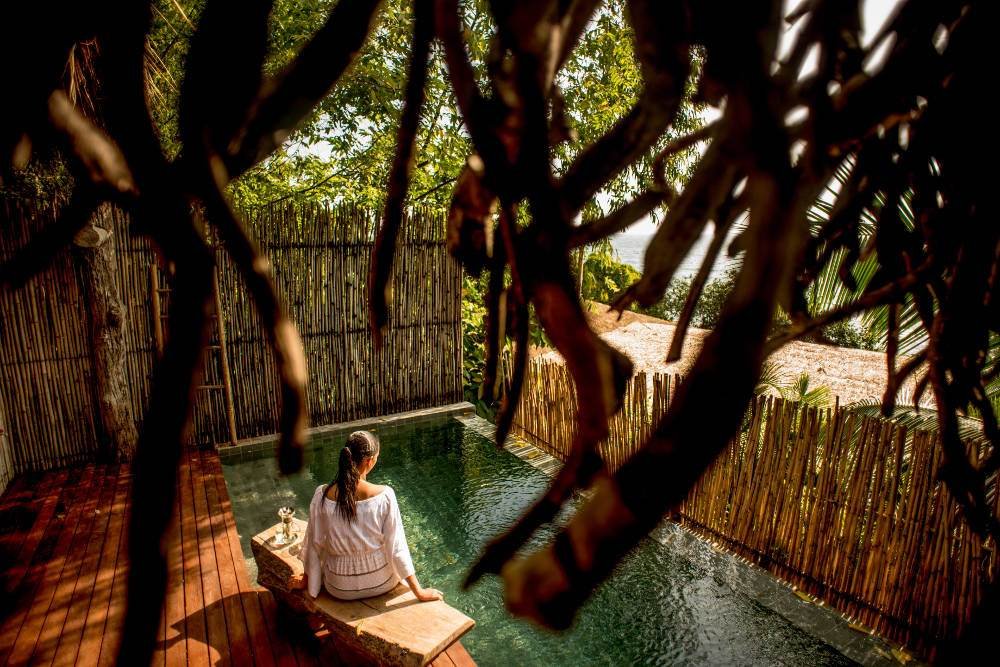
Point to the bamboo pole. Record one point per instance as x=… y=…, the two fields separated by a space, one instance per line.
x=220 y=321
x=154 y=295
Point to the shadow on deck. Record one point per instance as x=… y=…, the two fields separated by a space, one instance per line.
x=63 y=562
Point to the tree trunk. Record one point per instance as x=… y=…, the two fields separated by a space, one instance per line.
x=116 y=427
x=579 y=271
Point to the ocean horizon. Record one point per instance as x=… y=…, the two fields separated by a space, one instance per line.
x=630 y=248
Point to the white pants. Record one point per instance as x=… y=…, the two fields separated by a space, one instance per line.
x=370 y=592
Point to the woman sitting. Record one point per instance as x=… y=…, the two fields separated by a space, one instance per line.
x=354 y=544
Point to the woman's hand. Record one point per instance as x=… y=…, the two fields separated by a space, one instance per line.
x=429 y=594
x=297 y=582
x=423 y=594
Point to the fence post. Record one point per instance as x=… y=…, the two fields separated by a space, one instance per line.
x=227 y=384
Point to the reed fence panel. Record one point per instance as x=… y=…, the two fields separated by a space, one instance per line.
x=6 y=454
x=846 y=507
x=320 y=258
x=321 y=268
x=45 y=374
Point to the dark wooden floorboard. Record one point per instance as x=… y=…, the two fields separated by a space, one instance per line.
x=215 y=618
x=97 y=611
x=236 y=623
x=248 y=597
x=64 y=561
x=20 y=543
x=51 y=570
x=114 y=613
x=196 y=636
x=68 y=641
x=174 y=623
x=55 y=617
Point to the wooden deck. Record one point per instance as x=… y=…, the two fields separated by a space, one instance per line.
x=63 y=560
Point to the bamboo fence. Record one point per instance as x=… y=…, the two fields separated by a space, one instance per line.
x=846 y=507
x=6 y=457
x=320 y=258
x=45 y=377
x=321 y=268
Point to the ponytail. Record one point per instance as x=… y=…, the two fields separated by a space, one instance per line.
x=360 y=446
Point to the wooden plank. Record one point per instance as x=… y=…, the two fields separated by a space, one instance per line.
x=283 y=654
x=27 y=636
x=110 y=638
x=159 y=657
x=174 y=623
x=256 y=627
x=196 y=628
x=100 y=601
x=393 y=628
x=215 y=616
x=459 y=655
x=51 y=489
x=239 y=644
x=68 y=646
x=16 y=602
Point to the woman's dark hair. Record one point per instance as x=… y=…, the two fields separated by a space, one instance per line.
x=360 y=446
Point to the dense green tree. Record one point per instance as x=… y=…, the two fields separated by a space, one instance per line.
x=343 y=152
x=604 y=276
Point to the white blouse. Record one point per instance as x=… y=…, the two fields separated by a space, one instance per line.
x=355 y=559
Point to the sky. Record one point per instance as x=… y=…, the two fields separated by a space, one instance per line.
x=874 y=15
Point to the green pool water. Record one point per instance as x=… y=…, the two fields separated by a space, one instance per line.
x=456 y=490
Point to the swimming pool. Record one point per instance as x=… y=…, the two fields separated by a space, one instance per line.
x=457 y=490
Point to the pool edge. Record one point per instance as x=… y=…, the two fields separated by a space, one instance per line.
x=232 y=453
x=823 y=623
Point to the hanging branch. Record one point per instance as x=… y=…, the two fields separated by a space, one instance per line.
x=620 y=219
x=710 y=185
x=889 y=293
x=898 y=377
x=161 y=212
x=943 y=261
x=224 y=74
x=891 y=349
x=286 y=344
x=399 y=176
x=728 y=213
x=512 y=396
x=283 y=102
x=101 y=173
x=211 y=102
x=476 y=111
x=664 y=56
x=41 y=250
x=497 y=298
x=97 y=160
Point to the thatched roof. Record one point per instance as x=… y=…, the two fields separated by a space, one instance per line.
x=852 y=375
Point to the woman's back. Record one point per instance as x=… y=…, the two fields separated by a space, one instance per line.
x=355 y=557
x=363 y=533
x=354 y=545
